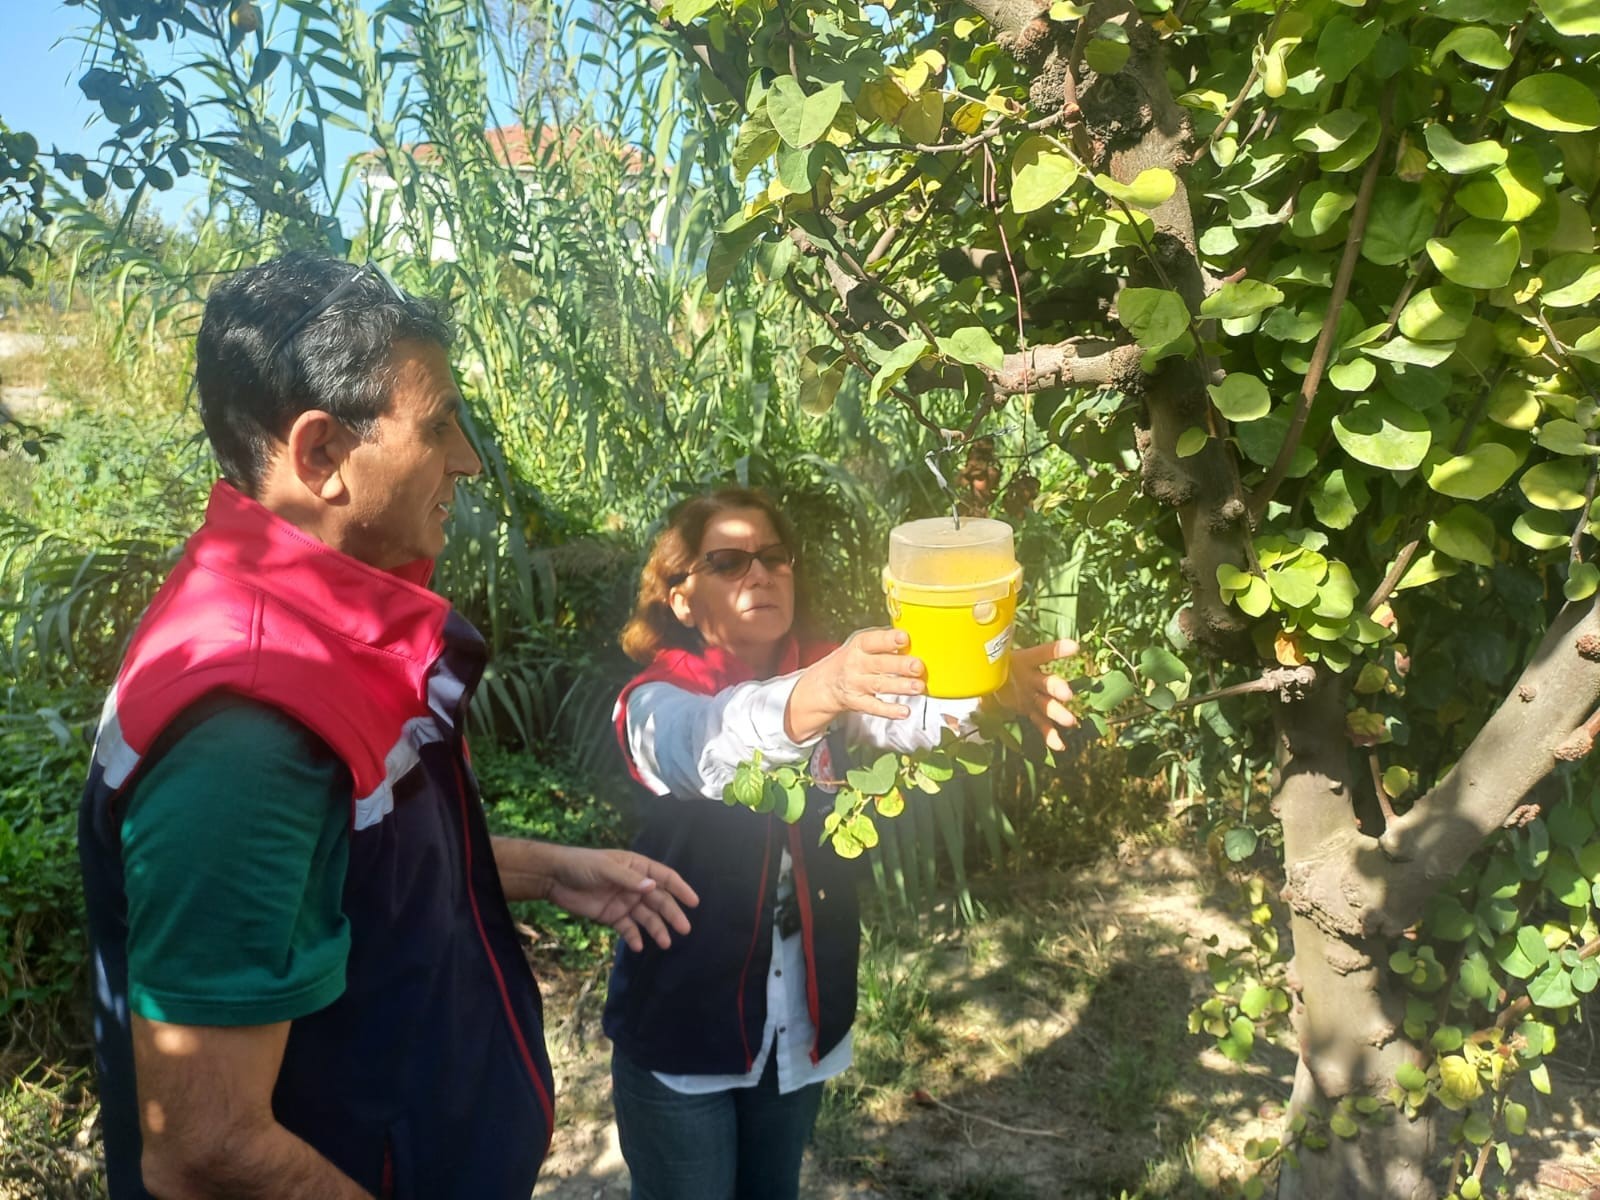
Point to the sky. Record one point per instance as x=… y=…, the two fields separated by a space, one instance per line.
x=41 y=58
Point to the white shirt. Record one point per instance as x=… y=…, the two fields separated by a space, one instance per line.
x=684 y=744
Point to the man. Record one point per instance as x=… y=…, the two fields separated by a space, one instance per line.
x=307 y=982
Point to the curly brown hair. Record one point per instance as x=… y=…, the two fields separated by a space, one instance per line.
x=653 y=627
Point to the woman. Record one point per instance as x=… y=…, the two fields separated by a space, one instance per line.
x=721 y=1043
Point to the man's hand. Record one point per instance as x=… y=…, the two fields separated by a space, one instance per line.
x=205 y=1117
x=1033 y=692
x=633 y=894
x=871 y=663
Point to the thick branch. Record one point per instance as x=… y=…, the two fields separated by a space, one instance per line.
x=1357 y=886
x=1079 y=362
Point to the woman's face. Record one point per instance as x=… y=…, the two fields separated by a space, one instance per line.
x=746 y=611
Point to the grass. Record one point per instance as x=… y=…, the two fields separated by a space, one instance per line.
x=1043 y=1052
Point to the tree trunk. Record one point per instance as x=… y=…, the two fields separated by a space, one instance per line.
x=1349 y=1010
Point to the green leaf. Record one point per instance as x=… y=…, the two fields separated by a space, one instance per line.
x=1575 y=18
x=1343 y=1124
x=1462 y=158
x=1162 y=666
x=923 y=117
x=1411 y=1077
x=1256 y=998
x=1474 y=44
x=1357 y=375
x=876 y=779
x=1108 y=51
x=1437 y=314
x=1331 y=130
x=1541 y=530
x=1241 y=397
x=1382 y=432
x=1338 y=497
x=1553 y=102
x=1477 y=254
x=1040 y=173
x=1399 y=222
x=1569 y=280
x=1343 y=45
x=1552 y=988
x=1458 y=1079
x=1191 y=441
x=821 y=375
x=1152 y=188
x=1241 y=1037
x=1318 y=208
x=1565 y=437
x=756 y=141
x=1239 y=844
x=1556 y=486
x=731 y=243
x=973 y=345
x=1425 y=570
x=798 y=170
x=1479 y=472
x=1464 y=533
x=1107 y=691
x=894 y=366
x=1582 y=580
x=1516 y=1118
x=1509 y=193
x=1155 y=316
x=801 y=119
x=1244 y=298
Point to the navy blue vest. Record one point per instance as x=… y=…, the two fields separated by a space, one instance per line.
x=700 y=1007
x=427 y=1079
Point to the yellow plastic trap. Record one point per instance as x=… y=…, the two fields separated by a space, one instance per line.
x=953 y=589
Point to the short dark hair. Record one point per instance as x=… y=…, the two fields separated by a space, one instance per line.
x=254 y=382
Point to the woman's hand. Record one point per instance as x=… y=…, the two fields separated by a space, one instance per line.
x=1033 y=692
x=851 y=679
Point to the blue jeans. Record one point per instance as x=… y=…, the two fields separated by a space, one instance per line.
x=741 y=1144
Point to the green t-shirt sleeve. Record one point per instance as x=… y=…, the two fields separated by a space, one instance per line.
x=235 y=844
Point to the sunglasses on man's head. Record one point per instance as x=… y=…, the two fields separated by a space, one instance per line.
x=365 y=270
x=733 y=564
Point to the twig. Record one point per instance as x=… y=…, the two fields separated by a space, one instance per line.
x=926 y=1098
x=971 y=143
x=1288 y=682
x=846 y=345
x=860 y=208
x=1330 y=324
x=1377 y=786
x=1402 y=564
x=1514 y=1012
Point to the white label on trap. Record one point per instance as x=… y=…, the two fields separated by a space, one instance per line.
x=996 y=646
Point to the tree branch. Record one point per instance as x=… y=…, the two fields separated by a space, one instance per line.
x=1078 y=362
x=1330 y=323
x=1359 y=886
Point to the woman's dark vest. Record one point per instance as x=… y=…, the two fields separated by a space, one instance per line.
x=427 y=1078
x=700 y=1007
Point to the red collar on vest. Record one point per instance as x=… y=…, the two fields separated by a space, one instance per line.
x=393 y=611
x=706 y=673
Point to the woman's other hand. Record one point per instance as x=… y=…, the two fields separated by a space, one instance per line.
x=871 y=664
x=1032 y=692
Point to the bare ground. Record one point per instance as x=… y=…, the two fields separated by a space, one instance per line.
x=1039 y=1053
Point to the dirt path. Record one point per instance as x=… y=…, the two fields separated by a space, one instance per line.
x=20 y=355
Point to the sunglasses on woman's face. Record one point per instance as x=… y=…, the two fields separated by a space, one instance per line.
x=733 y=564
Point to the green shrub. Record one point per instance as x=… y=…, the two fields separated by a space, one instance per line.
x=44 y=757
x=529 y=797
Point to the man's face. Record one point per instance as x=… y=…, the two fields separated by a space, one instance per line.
x=402 y=480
